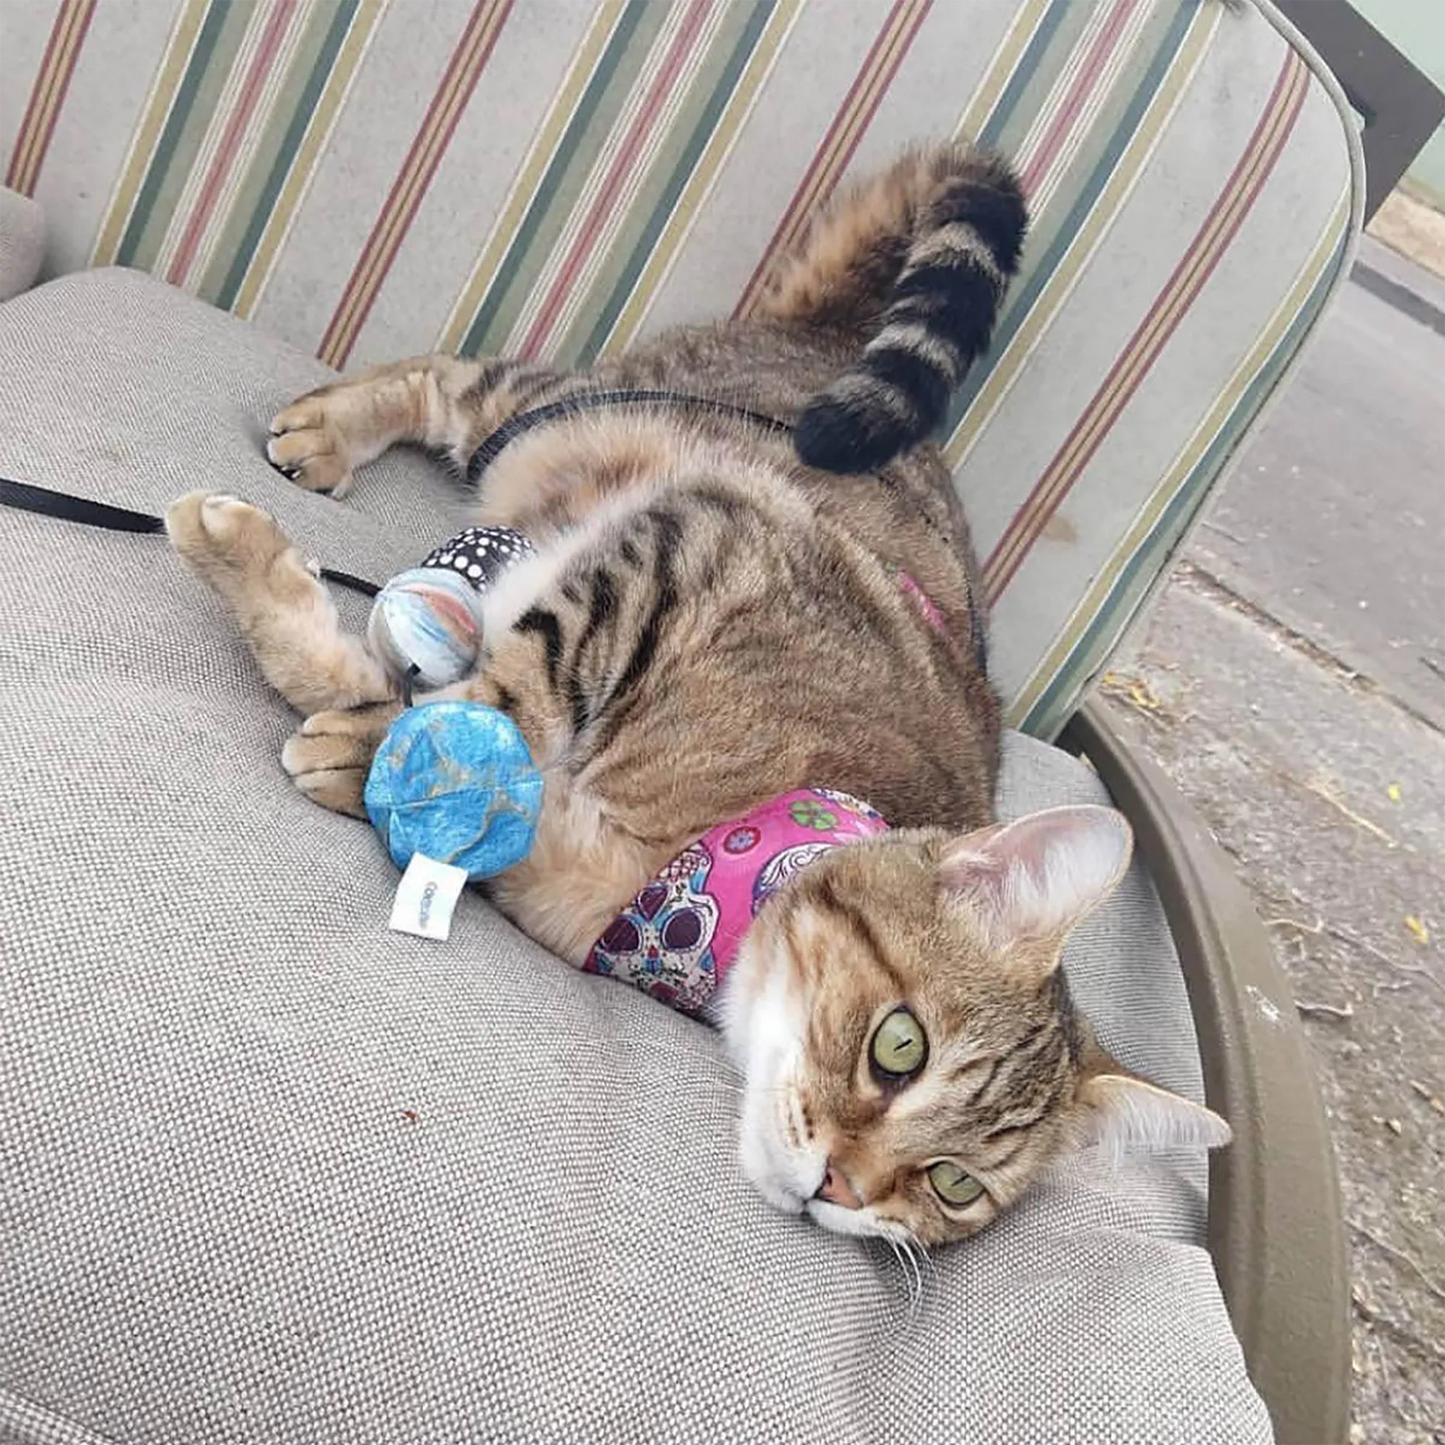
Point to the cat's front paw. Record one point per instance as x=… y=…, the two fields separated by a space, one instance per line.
x=233 y=547
x=308 y=442
x=329 y=756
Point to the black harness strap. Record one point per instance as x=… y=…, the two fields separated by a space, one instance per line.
x=26 y=497
x=526 y=421
x=41 y=500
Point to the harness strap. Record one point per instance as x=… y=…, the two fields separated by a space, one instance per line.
x=29 y=498
x=524 y=422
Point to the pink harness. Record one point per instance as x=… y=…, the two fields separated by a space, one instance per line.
x=679 y=936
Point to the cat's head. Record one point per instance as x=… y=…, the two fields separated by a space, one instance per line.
x=911 y=1052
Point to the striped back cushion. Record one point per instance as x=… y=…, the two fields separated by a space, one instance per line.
x=373 y=178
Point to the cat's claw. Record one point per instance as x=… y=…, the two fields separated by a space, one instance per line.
x=305 y=445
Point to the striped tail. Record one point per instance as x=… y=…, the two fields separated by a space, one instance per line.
x=917 y=262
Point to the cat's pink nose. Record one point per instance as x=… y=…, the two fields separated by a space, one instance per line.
x=836 y=1189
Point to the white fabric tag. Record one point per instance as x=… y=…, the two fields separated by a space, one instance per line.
x=426 y=896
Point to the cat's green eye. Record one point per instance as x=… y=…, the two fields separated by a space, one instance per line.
x=900 y=1047
x=952 y=1184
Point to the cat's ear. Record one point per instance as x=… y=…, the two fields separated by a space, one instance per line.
x=1124 y=1115
x=1037 y=877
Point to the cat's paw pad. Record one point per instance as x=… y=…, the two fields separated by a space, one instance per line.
x=329 y=756
x=309 y=447
x=224 y=540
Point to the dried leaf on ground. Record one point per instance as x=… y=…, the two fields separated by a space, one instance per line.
x=1133 y=690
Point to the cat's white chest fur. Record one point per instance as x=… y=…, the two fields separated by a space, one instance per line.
x=529 y=582
x=764 y=1027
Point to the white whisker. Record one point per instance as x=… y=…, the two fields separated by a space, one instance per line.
x=921 y=1250
x=911 y=1256
x=900 y=1255
x=915 y=1300
x=897 y=1253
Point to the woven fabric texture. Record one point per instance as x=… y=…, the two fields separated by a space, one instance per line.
x=274 y=1174
x=22 y=242
x=369 y=179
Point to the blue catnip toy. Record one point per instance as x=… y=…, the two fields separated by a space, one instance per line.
x=454 y=781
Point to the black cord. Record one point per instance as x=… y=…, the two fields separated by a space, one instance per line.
x=345 y=579
x=26 y=497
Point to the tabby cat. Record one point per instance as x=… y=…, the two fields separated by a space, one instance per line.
x=714 y=618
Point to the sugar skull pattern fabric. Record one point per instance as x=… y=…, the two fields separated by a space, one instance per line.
x=784 y=866
x=663 y=940
x=679 y=936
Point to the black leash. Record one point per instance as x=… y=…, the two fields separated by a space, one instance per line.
x=26 y=497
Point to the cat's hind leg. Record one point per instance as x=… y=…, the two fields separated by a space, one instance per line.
x=285 y=613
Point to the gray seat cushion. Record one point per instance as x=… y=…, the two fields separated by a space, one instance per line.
x=272 y=1173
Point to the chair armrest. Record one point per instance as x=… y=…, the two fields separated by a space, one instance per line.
x=1275 y=1222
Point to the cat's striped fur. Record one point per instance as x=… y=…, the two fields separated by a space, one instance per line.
x=713 y=617
x=949 y=232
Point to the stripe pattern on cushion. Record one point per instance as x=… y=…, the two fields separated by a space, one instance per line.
x=371 y=178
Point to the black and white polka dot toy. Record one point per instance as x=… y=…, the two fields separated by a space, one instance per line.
x=481 y=554
x=426 y=623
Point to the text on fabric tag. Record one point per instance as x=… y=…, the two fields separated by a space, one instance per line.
x=426 y=896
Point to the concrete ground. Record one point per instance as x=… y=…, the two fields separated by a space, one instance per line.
x=1292 y=683
x=1412 y=227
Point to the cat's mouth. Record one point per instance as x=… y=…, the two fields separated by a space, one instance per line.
x=801 y=1182
x=798 y=1180
x=836 y=1204
x=843 y=1219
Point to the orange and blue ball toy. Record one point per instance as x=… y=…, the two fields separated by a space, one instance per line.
x=426 y=623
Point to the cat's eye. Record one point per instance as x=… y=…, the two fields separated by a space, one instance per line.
x=953 y=1185
x=900 y=1047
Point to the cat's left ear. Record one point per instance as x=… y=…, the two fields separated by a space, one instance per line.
x=1124 y=1114
x=1037 y=877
